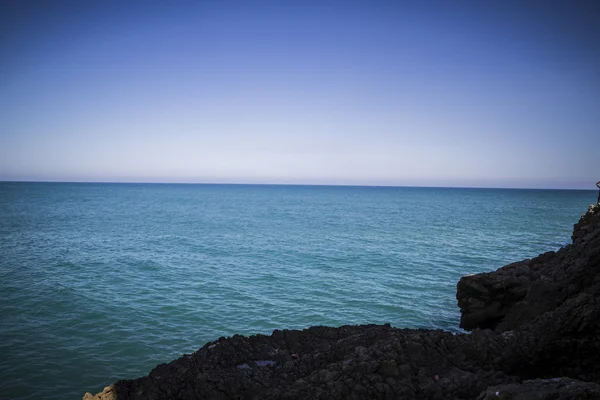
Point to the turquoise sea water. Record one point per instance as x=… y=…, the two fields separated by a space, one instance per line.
x=104 y=281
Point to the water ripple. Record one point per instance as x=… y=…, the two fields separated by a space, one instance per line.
x=102 y=282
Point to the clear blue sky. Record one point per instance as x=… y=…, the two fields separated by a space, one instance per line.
x=438 y=93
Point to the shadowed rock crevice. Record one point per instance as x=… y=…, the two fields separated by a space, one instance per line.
x=536 y=320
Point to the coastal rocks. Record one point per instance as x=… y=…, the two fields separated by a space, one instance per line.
x=535 y=330
x=544 y=389
x=369 y=361
x=519 y=292
x=588 y=223
x=107 y=394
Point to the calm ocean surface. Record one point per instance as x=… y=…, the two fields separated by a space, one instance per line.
x=104 y=281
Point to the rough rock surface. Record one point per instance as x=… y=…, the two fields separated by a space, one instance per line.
x=519 y=292
x=536 y=319
x=543 y=389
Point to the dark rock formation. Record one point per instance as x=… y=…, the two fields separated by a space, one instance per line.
x=538 y=318
x=543 y=389
x=519 y=292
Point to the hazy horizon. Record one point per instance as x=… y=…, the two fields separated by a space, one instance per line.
x=468 y=94
x=233 y=183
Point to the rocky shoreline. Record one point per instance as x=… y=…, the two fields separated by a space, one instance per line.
x=535 y=334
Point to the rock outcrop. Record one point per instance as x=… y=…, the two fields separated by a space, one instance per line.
x=519 y=292
x=536 y=329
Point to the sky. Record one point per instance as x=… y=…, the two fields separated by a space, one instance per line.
x=403 y=93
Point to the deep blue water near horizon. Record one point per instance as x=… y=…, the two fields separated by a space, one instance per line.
x=104 y=281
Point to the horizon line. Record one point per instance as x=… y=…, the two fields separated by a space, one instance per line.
x=134 y=182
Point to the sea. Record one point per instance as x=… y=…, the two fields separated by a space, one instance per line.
x=100 y=282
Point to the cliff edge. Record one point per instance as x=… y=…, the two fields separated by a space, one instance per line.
x=519 y=292
x=535 y=332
